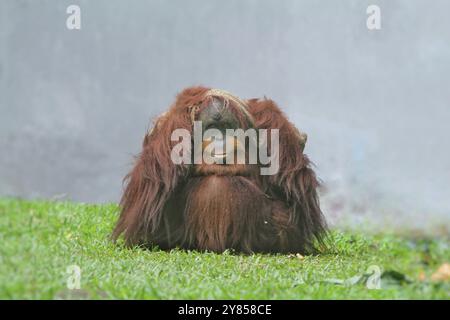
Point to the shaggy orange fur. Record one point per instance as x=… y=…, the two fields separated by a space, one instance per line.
x=219 y=207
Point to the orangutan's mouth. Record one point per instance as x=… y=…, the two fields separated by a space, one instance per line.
x=220 y=155
x=220 y=146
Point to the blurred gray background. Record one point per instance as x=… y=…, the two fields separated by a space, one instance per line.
x=75 y=104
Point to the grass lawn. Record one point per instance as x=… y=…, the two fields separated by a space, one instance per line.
x=39 y=240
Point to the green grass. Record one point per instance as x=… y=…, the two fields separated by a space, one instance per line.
x=40 y=239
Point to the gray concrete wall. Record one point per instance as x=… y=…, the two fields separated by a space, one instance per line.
x=74 y=105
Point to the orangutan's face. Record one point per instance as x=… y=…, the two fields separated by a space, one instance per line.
x=218 y=116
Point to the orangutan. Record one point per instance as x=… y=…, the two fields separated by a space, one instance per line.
x=220 y=206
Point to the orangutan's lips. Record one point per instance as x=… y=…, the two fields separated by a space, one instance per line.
x=219 y=145
x=220 y=155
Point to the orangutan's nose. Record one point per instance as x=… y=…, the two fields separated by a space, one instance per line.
x=217 y=114
x=216 y=108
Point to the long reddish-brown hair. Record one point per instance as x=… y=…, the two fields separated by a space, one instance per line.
x=221 y=207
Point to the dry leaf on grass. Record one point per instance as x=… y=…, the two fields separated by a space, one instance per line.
x=442 y=274
x=422 y=276
x=297 y=255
